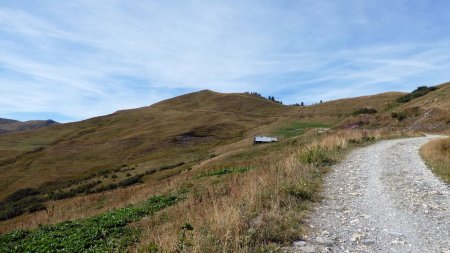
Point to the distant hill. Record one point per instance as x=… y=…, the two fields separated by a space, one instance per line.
x=7 y=121
x=9 y=125
x=179 y=130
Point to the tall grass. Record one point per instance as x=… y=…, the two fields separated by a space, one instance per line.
x=437 y=154
x=259 y=210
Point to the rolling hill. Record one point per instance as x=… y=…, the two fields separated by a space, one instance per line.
x=178 y=130
x=182 y=130
x=9 y=126
x=190 y=144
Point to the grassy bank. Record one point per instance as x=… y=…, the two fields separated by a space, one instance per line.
x=252 y=201
x=254 y=210
x=437 y=155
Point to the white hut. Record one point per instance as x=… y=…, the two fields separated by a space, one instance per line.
x=265 y=139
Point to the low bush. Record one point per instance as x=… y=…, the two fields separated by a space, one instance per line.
x=20 y=202
x=400 y=116
x=131 y=180
x=20 y=194
x=84 y=188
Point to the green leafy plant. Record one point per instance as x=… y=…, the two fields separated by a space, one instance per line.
x=107 y=232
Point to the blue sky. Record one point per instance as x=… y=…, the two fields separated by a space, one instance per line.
x=71 y=60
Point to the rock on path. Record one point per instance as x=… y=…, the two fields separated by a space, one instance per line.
x=381 y=198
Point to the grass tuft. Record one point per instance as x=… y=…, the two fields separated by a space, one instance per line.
x=316 y=155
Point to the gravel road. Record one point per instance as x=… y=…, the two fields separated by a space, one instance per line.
x=381 y=198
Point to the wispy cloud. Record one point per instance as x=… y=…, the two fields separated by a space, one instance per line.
x=79 y=59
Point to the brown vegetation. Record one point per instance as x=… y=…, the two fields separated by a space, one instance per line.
x=168 y=145
x=437 y=154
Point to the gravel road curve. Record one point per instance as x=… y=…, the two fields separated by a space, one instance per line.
x=381 y=198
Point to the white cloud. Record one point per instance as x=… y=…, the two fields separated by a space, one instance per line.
x=86 y=58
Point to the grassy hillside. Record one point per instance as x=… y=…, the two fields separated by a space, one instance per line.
x=239 y=196
x=178 y=130
x=429 y=112
x=9 y=126
x=184 y=129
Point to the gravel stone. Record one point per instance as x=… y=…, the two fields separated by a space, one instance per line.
x=383 y=198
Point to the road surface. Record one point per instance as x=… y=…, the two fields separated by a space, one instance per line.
x=381 y=198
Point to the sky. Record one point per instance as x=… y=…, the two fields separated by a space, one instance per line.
x=72 y=60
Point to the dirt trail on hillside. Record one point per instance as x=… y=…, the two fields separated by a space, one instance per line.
x=381 y=198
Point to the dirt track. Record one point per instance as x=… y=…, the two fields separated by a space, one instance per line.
x=381 y=198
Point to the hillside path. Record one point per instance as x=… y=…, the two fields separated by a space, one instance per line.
x=381 y=198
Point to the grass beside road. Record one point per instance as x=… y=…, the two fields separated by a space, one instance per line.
x=437 y=154
x=261 y=209
x=246 y=210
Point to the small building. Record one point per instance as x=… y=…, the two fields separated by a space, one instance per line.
x=265 y=139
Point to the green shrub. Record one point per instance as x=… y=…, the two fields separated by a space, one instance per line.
x=419 y=92
x=20 y=202
x=10 y=209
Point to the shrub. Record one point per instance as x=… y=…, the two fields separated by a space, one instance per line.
x=19 y=203
x=20 y=194
x=398 y=115
x=131 y=180
x=419 y=92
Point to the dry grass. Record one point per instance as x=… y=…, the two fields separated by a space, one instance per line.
x=145 y=136
x=437 y=154
x=256 y=210
x=259 y=209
